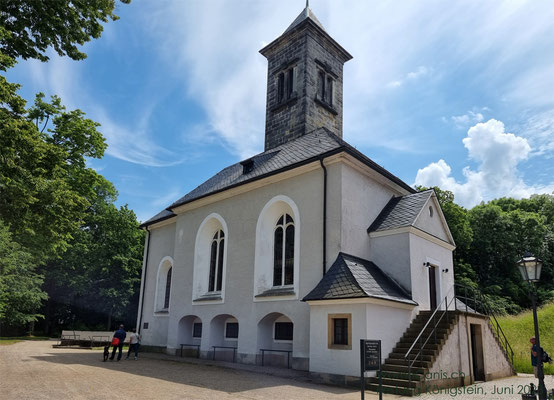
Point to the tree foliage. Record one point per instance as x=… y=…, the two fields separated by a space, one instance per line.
x=49 y=198
x=20 y=286
x=492 y=237
x=29 y=27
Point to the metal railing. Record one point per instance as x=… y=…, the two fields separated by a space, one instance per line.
x=434 y=321
x=480 y=305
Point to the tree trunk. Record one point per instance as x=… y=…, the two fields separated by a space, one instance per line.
x=110 y=319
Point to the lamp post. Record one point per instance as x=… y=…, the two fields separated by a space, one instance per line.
x=530 y=268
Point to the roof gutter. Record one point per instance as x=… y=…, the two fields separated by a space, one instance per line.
x=143 y=288
x=324 y=215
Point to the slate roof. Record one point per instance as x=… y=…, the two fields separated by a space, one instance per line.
x=303 y=150
x=401 y=211
x=352 y=277
x=306 y=13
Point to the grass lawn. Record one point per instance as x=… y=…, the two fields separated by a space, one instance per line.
x=518 y=330
x=4 y=341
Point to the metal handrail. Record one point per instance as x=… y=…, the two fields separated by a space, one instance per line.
x=504 y=344
x=433 y=332
x=425 y=327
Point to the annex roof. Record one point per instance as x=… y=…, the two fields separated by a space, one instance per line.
x=353 y=277
x=401 y=211
x=293 y=154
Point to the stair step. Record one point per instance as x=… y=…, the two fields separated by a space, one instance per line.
x=413 y=355
x=402 y=369
x=414 y=352
x=406 y=345
x=398 y=361
x=401 y=375
x=391 y=389
x=404 y=383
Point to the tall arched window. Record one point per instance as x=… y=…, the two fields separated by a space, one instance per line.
x=216 y=262
x=283 y=251
x=167 y=288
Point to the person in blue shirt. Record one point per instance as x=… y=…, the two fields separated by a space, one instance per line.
x=535 y=356
x=120 y=334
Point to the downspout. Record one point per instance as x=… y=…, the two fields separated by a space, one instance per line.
x=324 y=216
x=139 y=327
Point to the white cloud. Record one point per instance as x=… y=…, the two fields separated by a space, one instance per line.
x=471 y=117
x=497 y=154
x=420 y=72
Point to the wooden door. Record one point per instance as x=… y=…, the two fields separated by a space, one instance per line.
x=432 y=287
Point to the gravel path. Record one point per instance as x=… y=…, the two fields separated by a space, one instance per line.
x=35 y=370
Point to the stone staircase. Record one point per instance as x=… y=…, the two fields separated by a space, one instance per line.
x=395 y=371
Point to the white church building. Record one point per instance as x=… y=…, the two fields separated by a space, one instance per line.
x=289 y=258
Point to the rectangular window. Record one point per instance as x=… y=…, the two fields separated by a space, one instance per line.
x=197 y=330
x=321 y=86
x=339 y=331
x=280 y=87
x=329 y=91
x=283 y=330
x=232 y=330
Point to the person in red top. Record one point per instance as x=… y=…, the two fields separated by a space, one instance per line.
x=119 y=334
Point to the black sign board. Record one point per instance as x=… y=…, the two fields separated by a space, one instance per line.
x=372 y=355
x=370 y=360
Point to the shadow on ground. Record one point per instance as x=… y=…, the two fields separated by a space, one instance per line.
x=201 y=375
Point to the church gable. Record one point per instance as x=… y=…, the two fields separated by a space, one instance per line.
x=421 y=211
x=431 y=220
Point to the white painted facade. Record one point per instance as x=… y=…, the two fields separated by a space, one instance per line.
x=227 y=292
x=247 y=219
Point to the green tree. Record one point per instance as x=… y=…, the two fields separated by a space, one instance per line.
x=29 y=27
x=20 y=286
x=45 y=186
x=99 y=274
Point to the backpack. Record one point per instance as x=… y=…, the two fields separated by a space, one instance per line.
x=545 y=357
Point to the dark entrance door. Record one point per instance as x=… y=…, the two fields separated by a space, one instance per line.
x=432 y=288
x=477 y=352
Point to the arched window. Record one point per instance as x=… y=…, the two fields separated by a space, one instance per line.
x=283 y=251
x=167 y=288
x=216 y=262
x=163 y=285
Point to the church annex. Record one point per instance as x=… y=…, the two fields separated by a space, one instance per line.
x=289 y=258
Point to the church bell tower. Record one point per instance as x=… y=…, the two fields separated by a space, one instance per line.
x=304 y=81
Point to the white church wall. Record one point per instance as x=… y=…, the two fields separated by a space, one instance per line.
x=392 y=254
x=241 y=214
x=362 y=200
x=161 y=247
x=386 y=321
x=430 y=221
x=335 y=361
x=423 y=251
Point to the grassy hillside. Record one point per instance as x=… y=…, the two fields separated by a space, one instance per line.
x=518 y=330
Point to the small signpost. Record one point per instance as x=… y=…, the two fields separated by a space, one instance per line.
x=370 y=360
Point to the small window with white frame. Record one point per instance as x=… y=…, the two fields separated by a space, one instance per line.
x=283 y=330
x=197 y=330
x=231 y=329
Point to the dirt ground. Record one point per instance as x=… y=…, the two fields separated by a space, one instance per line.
x=35 y=370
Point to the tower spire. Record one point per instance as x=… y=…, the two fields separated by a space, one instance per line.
x=307 y=3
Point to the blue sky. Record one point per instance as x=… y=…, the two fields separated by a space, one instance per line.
x=458 y=94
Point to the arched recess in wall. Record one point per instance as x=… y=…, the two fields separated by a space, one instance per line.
x=210 y=260
x=277 y=254
x=163 y=285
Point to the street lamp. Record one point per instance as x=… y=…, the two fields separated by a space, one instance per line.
x=530 y=268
